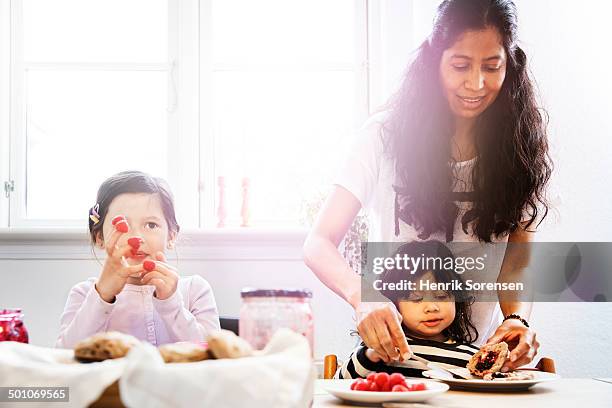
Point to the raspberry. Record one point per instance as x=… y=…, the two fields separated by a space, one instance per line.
x=361 y=385
x=148 y=265
x=135 y=242
x=381 y=379
x=122 y=226
x=396 y=378
x=417 y=387
x=117 y=219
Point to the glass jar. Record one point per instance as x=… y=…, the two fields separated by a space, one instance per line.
x=264 y=311
x=12 y=327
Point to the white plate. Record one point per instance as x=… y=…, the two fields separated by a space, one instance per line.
x=342 y=389
x=478 y=384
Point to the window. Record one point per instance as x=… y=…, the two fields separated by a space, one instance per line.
x=90 y=98
x=268 y=91
x=287 y=87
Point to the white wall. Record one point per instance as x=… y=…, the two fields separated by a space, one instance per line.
x=37 y=271
x=41 y=287
x=568 y=46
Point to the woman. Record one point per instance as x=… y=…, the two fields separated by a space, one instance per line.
x=460 y=154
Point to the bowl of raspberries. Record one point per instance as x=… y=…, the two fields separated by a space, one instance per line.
x=384 y=387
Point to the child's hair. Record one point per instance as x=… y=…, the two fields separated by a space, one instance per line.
x=461 y=329
x=132 y=182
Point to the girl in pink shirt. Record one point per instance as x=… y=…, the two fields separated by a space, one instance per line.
x=137 y=292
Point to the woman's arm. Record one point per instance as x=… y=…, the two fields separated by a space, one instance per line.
x=379 y=327
x=320 y=251
x=521 y=339
x=516 y=260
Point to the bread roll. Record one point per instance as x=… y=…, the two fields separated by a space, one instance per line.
x=489 y=359
x=104 y=346
x=183 y=352
x=225 y=344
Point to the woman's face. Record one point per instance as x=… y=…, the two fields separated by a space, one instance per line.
x=472 y=72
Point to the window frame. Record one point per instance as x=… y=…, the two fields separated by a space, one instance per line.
x=182 y=134
x=360 y=65
x=190 y=141
x=5 y=103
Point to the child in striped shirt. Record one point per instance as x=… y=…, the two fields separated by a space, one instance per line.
x=437 y=323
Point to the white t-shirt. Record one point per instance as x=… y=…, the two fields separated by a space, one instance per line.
x=369 y=174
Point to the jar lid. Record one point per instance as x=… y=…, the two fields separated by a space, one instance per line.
x=10 y=311
x=252 y=292
x=10 y=314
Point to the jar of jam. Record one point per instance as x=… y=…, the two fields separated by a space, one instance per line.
x=264 y=311
x=12 y=327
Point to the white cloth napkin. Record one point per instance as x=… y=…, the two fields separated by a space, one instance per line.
x=281 y=376
x=25 y=365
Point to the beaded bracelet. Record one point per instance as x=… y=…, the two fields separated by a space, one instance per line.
x=519 y=318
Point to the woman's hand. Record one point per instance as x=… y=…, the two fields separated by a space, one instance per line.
x=521 y=342
x=164 y=277
x=380 y=328
x=372 y=355
x=116 y=270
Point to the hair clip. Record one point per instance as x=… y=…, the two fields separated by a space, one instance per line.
x=93 y=214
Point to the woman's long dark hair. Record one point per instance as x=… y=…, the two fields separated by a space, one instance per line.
x=513 y=166
x=462 y=328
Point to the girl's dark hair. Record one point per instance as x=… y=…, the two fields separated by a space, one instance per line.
x=513 y=166
x=132 y=182
x=461 y=329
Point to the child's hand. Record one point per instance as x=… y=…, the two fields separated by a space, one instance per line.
x=373 y=356
x=164 y=277
x=116 y=270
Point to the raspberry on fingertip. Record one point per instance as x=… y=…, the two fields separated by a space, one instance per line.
x=148 y=265
x=122 y=226
x=117 y=219
x=135 y=242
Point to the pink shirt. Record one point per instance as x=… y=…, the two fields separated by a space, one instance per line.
x=190 y=314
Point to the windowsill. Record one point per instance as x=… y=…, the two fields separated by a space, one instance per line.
x=204 y=234
x=215 y=244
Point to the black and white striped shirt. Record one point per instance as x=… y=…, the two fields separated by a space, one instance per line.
x=448 y=354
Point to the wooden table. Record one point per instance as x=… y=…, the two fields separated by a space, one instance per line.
x=574 y=393
x=567 y=392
